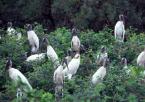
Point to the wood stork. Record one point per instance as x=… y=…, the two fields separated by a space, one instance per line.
x=102 y=56
x=99 y=74
x=33 y=39
x=119 y=30
x=58 y=79
x=75 y=42
x=19 y=80
x=125 y=67
x=72 y=66
x=10 y=30
x=35 y=57
x=51 y=54
x=141 y=59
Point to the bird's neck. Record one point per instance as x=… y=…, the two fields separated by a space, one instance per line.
x=77 y=56
x=48 y=46
x=29 y=30
x=125 y=64
x=9 y=68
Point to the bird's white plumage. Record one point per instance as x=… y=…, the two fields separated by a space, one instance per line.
x=58 y=76
x=36 y=57
x=119 y=31
x=72 y=66
x=99 y=75
x=33 y=41
x=141 y=59
x=11 y=31
x=17 y=76
x=75 y=43
x=51 y=54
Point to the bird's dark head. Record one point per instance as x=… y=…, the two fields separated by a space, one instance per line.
x=29 y=27
x=82 y=49
x=74 y=32
x=103 y=49
x=9 y=24
x=106 y=62
x=69 y=52
x=45 y=41
x=8 y=64
x=121 y=17
x=25 y=55
x=64 y=61
x=123 y=61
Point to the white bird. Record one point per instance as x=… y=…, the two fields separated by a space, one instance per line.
x=72 y=66
x=125 y=67
x=141 y=59
x=33 y=39
x=119 y=30
x=20 y=81
x=58 y=79
x=102 y=56
x=99 y=74
x=75 y=42
x=51 y=54
x=58 y=76
x=36 y=57
x=10 y=30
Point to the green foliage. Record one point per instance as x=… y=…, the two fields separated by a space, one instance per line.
x=116 y=86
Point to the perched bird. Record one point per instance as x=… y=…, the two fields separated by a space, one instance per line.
x=10 y=30
x=75 y=42
x=141 y=59
x=58 y=76
x=99 y=74
x=33 y=39
x=72 y=66
x=102 y=56
x=125 y=67
x=35 y=57
x=51 y=54
x=58 y=79
x=119 y=30
x=19 y=80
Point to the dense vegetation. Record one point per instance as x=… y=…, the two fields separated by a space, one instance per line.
x=116 y=87
x=94 y=14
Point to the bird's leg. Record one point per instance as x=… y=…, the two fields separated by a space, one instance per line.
x=58 y=92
